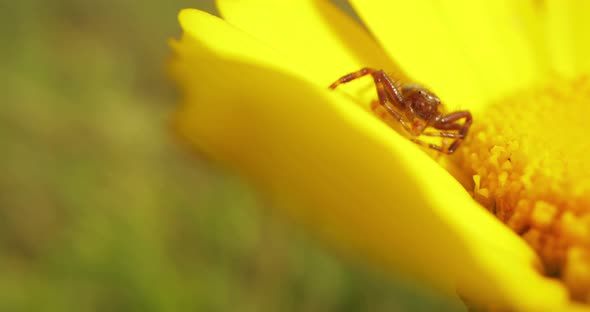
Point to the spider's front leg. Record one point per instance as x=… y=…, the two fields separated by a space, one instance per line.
x=450 y=123
x=388 y=95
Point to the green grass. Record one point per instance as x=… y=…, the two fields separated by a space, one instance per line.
x=102 y=210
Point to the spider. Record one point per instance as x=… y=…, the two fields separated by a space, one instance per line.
x=416 y=108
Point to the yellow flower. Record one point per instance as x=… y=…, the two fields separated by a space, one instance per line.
x=256 y=100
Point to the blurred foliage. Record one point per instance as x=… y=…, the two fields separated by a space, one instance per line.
x=102 y=210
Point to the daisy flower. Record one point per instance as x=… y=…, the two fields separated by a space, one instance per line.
x=504 y=222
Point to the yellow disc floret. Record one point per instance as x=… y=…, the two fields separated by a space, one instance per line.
x=528 y=157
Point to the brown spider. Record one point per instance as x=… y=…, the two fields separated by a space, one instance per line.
x=416 y=108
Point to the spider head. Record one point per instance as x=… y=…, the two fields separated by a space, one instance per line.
x=421 y=102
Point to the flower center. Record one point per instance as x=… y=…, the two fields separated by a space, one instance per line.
x=528 y=157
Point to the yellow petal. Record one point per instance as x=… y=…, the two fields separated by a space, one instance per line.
x=468 y=52
x=582 y=36
x=336 y=167
x=559 y=36
x=315 y=35
x=227 y=42
x=494 y=37
x=567 y=27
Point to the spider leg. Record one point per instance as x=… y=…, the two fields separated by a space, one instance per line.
x=443 y=134
x=352 y=76
x=387 y=92
x=435 y=147
x=380 y=78
x=449 y=122
x=384 y=114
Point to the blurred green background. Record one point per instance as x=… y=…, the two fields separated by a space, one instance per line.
x=102 y=210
